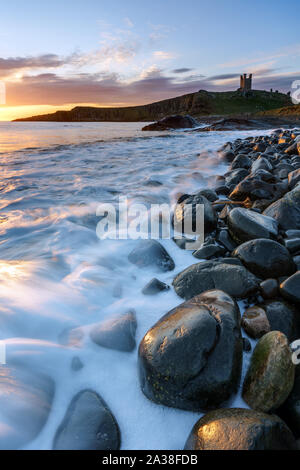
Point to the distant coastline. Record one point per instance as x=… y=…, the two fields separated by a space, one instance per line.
x=201 y=104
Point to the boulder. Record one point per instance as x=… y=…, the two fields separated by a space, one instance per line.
x=176 y=121
x=294 y=178
x=151 y=253
x=286 y=210
x=209 y=251
x=235 y=176
x=269 y=289
x=88 y=425
x=283 y=316
x=241 y=161
x=290 y=288
x=265 y=258
x=255 y=322
x=234 y=279
x=154 y=287
x=290 y=410
x=254 y=187
x=244 y=225
x=270 y=377
x=25 y=402
x=191 y=358
x=185 y=215
x=117 y=333
x=240 y=429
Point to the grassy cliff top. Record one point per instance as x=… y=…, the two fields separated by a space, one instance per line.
x=199 y=104
x=287 y=111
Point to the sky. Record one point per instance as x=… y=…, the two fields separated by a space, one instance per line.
x=60 y=54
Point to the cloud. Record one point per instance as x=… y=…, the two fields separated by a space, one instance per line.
x=163 y=55
x=182 y=70
x=109 y=89
x=12 y=64
x=128 y=22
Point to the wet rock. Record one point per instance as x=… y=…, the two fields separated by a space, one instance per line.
x=293 y=245
x=117 y=333
x=253 y=187
x=290 y=410
x=260 y=147
x=294 y=178
x=151 y=253
x=240 y=429
x=241 y=161
x=261 y=163
x=181 y=242
x=265 y=258
x=88 y=425
x=235 y=176
x=226 y=240
x=270 y=377
x=210 y=194
x=246 y=345
x=286 y=210
x=236 y=280
x=292 y=233
x=154 y=287
x=245 y=225
x=76 y=364
x=269 y=288
x=290 y=288
x=191 y=358
x=255 y=322
x=297 y=262
x=284 y=317
x=209 y=251
x=185 y=215
x=172 y=122
x=25 y=402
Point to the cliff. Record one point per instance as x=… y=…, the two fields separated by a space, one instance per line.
x=199 y=104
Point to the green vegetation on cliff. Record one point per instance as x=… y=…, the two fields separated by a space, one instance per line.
x=287 y=111
x=197 y=104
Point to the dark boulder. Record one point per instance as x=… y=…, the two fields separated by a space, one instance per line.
x=244 y=225
x=270 y=377
x=269 y=289
x=293 y=245
x=186 y=212
x=154 y=287
x=234 y=279
x=151 y=253
x=290 y=410
x=177 y=121
x=117 y=333
x=235 y=176
x=286 y=210
x=240 y=429
x=294 y=178
x=290 y=288
x=241 y=161
x=253 y=187
x=265 y=258
x=283 y=316
x=209 y=251
x=191 y=358
x=88 y=425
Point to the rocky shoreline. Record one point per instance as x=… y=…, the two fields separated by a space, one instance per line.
x=191 y=359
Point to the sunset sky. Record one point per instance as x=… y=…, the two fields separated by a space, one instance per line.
x=59 y=54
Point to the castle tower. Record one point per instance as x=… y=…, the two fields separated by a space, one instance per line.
x=245 y=82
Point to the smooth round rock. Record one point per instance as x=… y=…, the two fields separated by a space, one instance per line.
x=265 y=258
x=116 y=333
x=154 y=287
x=286 y=210
x=290 y=288
x=151 y=253
x=240 y=429
x=284 y=317
x=255 y=322
x=245 y=225
x=236 y=280
x=186 y=212
x=191 y=358
x=269 y=288
x=270 y=377
x=88 y=425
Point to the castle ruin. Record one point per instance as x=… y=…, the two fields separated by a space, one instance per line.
x=245 y=83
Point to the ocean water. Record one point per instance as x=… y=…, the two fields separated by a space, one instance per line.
x=57 y=275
